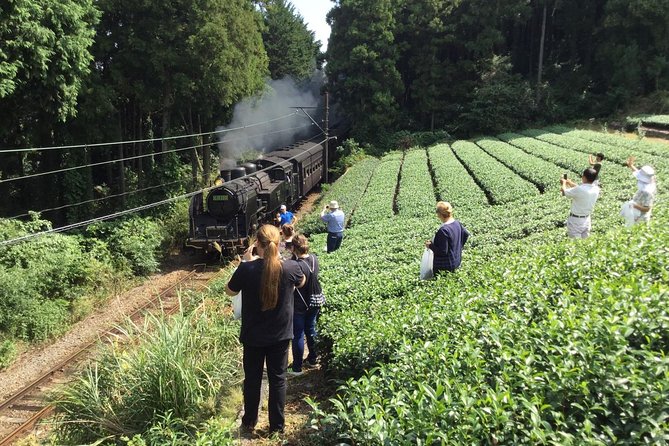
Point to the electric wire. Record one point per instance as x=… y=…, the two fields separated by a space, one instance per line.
x=146 y=155
x=130 y=211
x=94 y=200
x=167 y=138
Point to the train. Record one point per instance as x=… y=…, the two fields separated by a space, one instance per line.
x=222 y=219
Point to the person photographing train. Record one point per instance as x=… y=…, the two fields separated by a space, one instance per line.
x=335 y=220
x=267 y=284
x=583 y=198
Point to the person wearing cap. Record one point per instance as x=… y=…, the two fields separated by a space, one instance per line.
x=642 y=201
x=448 y=241
x=284 y=217
x=583 y=198
x=335 y=220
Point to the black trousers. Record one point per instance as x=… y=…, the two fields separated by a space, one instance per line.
x=276 y=356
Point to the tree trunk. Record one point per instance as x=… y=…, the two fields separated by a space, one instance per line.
x=541 y=54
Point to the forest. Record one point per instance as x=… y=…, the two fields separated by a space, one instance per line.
x=81 y=72
x=475 y=66
x=84 y=72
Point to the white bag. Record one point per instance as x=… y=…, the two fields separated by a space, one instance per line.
x=426 y=272
x=237 y=306
x=629 y=213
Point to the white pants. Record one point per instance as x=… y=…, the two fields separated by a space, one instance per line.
x=578 y=227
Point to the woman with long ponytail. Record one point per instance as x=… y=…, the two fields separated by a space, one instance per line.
x=267 y=284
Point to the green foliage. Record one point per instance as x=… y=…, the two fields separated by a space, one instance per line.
x=7 y=353
x=377 y=204
x=501 y=184
x=452 y=181
x=44 y=58
x=347 y=191
x=134 y=243
x=503 y=101
x=534 y=340
x=362 y=57
x=291 y=48
x=163 y=386
x=415 y=196
x=348 y=153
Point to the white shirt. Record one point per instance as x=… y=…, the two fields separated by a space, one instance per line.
x=583 y=198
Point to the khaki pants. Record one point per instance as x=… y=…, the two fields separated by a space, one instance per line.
x=578 y=227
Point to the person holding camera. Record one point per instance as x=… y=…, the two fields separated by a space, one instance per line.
x=335 y=220
x=267 y=285
x=583 y=198
x=642 y=201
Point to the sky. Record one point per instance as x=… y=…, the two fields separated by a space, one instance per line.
x=314 y=12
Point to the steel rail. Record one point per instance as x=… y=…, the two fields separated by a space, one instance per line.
x=30 y=423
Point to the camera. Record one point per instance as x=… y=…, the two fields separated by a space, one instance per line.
x=564 y=176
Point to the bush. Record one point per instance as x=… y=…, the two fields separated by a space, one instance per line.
x=172 y=378
x=133 y=243
x=7 y=353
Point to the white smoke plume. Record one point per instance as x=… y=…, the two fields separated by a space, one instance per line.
x=278 y=100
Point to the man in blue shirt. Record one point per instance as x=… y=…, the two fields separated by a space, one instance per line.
x=335 y=220
x=284 y=217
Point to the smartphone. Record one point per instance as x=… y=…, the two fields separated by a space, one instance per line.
x=564 y=176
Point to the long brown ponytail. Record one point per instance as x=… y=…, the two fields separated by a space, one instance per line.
x=269 y=238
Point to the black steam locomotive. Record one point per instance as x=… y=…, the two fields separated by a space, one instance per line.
x=250 y=195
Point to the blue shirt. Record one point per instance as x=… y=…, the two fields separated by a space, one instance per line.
x=447 y=246
x=286 y=218
x=335 y=221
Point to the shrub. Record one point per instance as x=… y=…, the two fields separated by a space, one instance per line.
x=133 y=243
x=171 y=378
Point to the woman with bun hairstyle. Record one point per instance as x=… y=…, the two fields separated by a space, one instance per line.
x=304 y=319
x=448 y=241
x=267 y=284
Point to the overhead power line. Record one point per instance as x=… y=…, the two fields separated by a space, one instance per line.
x=95 y=200
x=126 y=212
x=146 y=155
x=167 y=138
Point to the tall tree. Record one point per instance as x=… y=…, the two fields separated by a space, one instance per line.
x=362 y=63
x=291 y=47
x=44 y=57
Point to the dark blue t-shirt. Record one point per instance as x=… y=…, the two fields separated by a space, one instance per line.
x=447 y=246
x=263 y=328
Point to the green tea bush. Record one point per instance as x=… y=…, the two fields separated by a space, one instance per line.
x=377 y=203
x=536 y=339
x=347 y=191
x=502 y=184
x=567 y=350
x=453 y=183
x=415 y=196
x=632 y=145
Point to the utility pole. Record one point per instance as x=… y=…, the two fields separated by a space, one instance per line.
x=327 y=135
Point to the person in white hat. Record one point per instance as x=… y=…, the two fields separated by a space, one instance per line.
x=642 y=201
x=335 y=220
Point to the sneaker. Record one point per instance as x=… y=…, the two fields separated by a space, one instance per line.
x=310 y=364
x=294 y=373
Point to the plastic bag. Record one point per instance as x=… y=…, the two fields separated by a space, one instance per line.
x=629 y=213
x=237 y=306
x=426 y=272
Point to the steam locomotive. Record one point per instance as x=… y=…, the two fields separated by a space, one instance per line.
x=222 y=219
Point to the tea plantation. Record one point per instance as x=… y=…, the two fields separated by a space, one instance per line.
x=537 y=339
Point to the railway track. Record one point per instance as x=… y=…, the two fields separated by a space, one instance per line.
x=20 y=413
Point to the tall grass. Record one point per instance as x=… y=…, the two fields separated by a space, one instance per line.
x=178 y=371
